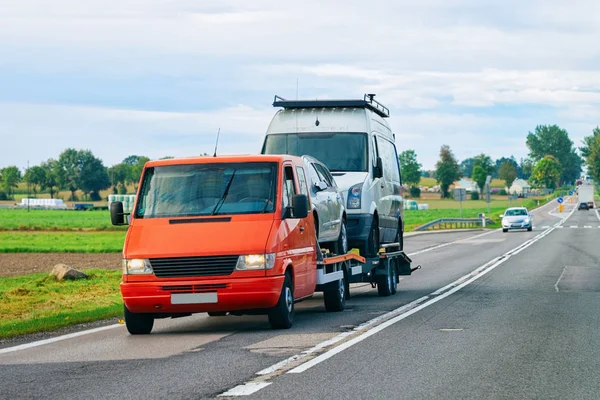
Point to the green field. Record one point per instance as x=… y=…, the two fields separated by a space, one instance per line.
x=50 y=220
x=37 y=302
x=430 y=182
x=61 y=242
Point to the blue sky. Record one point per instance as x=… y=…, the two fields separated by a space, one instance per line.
x=159 y=78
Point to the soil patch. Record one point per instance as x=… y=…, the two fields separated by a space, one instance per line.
x=15 y=264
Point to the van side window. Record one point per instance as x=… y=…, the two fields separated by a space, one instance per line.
x=312 y=173
x=289 y=190
x=302 y=181
x=325 y=177
x=391 y=170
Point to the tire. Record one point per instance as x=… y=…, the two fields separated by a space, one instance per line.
x=138 y=324
x=335 y=299
x=373 y=243
x=217 y=314
x=504 y=230
x=394 y=280
x=384 y=283
x=282 y=315
x=341 y=246
x=529 y=229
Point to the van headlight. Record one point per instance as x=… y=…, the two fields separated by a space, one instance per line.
x=354 y=194
x=255 y=261
x=137 y=266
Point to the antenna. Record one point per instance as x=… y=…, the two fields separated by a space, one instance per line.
x=217 y=143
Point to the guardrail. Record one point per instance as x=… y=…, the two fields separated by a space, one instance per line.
x=454 y=223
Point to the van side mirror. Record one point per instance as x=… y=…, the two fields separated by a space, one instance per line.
x=300 y=206
x=117 y=215
x=320 y=186
x=378 y=169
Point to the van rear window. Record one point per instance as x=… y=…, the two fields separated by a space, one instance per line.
x=208 y=189
x=338 y=151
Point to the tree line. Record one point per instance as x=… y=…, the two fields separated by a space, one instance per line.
x=74 y=170
x=552 y=161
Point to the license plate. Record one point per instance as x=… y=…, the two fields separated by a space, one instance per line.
x=194 y=298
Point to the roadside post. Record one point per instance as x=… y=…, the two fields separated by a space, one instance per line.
x=460 y=194
x=561 y=206
x=488 y=192
x=482 y=216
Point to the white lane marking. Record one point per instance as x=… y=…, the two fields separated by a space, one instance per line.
x=545 y=227
x=57 y=339
x=495 y=263
x=573 y=226
x=587 y=226
x=596 y=212
x=439 y=246
x=282 y=364
x=245 y=390
x=559 y=278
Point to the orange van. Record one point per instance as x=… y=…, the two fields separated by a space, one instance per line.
x=218 y=235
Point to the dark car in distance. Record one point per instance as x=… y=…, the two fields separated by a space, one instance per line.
x=583 y=206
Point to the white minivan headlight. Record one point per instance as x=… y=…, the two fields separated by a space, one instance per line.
x=255 y=261
x=354 y=195
x=137 y=266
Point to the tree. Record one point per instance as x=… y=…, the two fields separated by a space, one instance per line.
x=485 y=162
x=447 y=170
x=411 y=169
x=508 y=173
x=131 y=160
x=466 y=167
x=525 y=168
x=92 y=175
x=591 y=152
x=36 y=177
x=50 y=168
x=547 y=172
x=118 y=175
x=479 y=176
x=135 y=171
x=503 y=160
x=67 y=171
x=553 y=140
x=11 y=176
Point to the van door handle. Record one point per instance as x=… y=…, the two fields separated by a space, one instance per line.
x=301 y=229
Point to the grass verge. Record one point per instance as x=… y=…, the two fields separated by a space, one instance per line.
x=55 y=220
x=38 y=302
x=61 y=242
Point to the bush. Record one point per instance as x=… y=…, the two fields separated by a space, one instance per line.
x=503 y=192
x=415 y=192
x=474 y=196
x=95 y=196
x=3 y=195
x=122 y=189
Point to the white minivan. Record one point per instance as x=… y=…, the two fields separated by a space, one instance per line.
x=355 y=142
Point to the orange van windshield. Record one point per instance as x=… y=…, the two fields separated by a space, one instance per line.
x=208 y=189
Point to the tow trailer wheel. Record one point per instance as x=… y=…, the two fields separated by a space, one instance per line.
x=138 y=324
x=394 y=279
x=335 y=298
x=282 y=315
x=385 y=283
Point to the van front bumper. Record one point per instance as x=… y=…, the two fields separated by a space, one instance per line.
x=231 y=295
x=358 y=228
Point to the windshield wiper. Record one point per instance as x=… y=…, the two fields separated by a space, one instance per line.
x=225 y=193
x=268 y=200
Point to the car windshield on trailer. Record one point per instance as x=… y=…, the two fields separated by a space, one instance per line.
x=208 y=189
x=516 y=212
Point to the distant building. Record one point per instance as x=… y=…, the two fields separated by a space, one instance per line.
x=520 y=187
x=467 y=184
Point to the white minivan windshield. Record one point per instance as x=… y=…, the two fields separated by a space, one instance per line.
x=344 y=152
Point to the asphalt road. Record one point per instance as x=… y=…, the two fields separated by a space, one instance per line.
x=523 y=328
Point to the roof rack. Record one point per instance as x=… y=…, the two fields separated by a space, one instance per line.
x=368 y=102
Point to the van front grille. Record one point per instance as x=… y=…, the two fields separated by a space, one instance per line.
x=208 y=288
x=182 y=267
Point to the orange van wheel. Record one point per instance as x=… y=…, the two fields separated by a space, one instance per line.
x=282 y=315
x=138 y=324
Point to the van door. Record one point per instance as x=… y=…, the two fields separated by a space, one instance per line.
x=333 y=202
x=391 y=200
x=378 y=188
x=300 y=240
x=320 y=203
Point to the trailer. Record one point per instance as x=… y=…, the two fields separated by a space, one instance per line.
x=335 y=273
x=585 y=193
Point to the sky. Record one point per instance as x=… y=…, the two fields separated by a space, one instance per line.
x=160 y=77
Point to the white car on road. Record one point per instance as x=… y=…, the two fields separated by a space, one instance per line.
x=517 y=218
